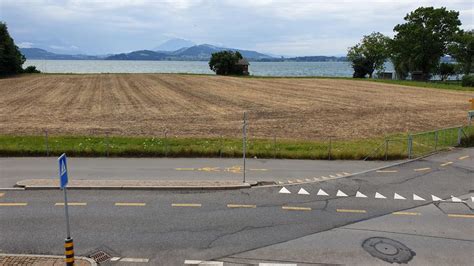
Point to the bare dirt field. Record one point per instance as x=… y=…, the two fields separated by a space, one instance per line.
x=212 y=106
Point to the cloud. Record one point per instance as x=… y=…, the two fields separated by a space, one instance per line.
x=25 y=45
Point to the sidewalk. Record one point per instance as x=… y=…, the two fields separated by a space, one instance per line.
x=133 y=184
x=41 y=260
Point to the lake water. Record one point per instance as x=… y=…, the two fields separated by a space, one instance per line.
x=297 y=69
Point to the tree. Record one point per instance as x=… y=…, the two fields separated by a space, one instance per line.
x=422 y=40
x=462 y=49
x=370 y=54
x=11 y=58
x=445 y=70
x=225 y=63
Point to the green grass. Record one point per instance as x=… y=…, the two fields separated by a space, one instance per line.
x=99 y=146
x=449 y=85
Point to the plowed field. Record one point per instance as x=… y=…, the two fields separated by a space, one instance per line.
x=212 y=106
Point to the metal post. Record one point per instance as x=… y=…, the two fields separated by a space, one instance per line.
x=436 y=140
x=220 y=147
x=459 y=136
x=46 y=142
x=244 y=141
x=166 y=142
x=410 y=146
x=69 y=244
x=330 y=148
x=274 y=145
x=386 y=149
x=106 y=144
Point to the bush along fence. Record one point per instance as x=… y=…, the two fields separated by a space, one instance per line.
x=105 y=145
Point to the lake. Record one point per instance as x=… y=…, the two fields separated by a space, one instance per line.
x=297 y=69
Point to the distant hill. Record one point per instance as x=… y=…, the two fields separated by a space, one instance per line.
x=173 y=45
x=139 y=55
x=317 y=58
x=40 y=54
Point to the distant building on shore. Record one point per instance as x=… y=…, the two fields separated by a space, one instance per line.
x=244 y=64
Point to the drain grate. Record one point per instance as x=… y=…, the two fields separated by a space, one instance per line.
x=388 y=250
x=100 y=256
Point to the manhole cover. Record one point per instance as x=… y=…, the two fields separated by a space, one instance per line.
x=388 y=250
x=100 y=256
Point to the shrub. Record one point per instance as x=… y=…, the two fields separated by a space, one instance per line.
x=468 y=81
x=225 y=63
x=31 y=69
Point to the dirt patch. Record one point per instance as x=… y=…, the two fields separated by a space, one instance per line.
x=212 y=106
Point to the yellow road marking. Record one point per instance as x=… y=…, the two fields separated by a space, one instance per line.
x=186 y=205
x=262 y=169
x=461 y=215
x=209 y=169
x=463 y=157
x=351 y=211
x=240 y=206
x=447 y=163
x=132 y=204
x=290 y=208
x=387 y=171
x=422 y=169
x=13 y=204
x=71 y=204
x=184 y=169
x=406 y=213
x=2 y=194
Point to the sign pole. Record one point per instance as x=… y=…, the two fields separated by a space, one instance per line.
x=63 y=180
x=244 y=140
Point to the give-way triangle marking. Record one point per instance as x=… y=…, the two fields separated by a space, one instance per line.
x=416 y=197
x=322 y=193
x=434 y=198
x=283 y=190
x=379 y=196
x=303 y=192
x=360 y=195
x=456 y=199
x=341 y=194
x=398 y=196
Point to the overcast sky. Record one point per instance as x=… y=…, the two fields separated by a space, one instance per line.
x=294 y=27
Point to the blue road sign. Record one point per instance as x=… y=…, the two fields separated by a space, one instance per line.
x=63 y=179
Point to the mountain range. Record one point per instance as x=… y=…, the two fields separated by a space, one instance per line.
x=200 y=52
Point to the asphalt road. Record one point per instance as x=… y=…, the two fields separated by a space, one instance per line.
x=167 y=228
x=13 y=170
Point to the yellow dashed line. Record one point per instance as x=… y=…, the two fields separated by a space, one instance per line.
x=387 y=171
x=240 y=206
x=422 y=169
x=132 y=204
x=447 y=163
x=461 y=215
x=186 y=205
x=289 y=208
x=2 y=194
x=406 y=213
x=258 y=169
x=351 y=211
x=71 y=204
x=13 y=204
x=463 y=157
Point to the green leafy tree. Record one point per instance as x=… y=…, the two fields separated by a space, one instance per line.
x=445 y=70
x=422 y=40
x=225 y=63
x=370 y=54
x=462 y=49
x=11 y=58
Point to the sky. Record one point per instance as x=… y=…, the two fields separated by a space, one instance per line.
x=278 y=27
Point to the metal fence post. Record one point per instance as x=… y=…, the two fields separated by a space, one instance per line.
x=46 y=142
x=436 y=140
x=329 y=148
x=220 y=146
x=166 y=142
x=244 y=141
x=106 y=144
x=386 y=149
x=459 y=136
x=410 y=146
x=274 y=145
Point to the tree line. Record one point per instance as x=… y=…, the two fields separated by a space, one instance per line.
x=427 y=35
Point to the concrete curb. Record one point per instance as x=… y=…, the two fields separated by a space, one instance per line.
x=83 y=185
x=91 y=261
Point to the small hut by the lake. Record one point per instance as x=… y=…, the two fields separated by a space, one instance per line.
x=244 y=64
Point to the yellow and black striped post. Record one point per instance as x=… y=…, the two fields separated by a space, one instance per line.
x=69 y=247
